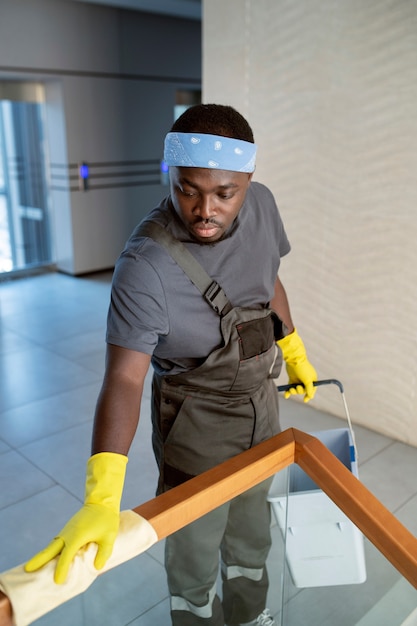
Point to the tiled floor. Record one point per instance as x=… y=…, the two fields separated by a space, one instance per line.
x=51 y=365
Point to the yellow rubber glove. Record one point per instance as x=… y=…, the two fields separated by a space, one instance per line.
x=299 y=369
x=97 y=521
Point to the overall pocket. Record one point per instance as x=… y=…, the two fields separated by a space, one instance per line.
x=208 y=431
x=255 y=337
x=260 y=357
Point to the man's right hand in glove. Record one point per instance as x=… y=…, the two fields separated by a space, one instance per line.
x=96 y=522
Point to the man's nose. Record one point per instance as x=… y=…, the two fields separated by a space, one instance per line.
x=205 y=207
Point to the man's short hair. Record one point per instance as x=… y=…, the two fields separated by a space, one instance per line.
x=214 y=119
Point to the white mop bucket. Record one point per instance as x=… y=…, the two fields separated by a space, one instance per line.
x=323 y=547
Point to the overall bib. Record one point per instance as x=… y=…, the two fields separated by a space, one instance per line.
x=201 y=418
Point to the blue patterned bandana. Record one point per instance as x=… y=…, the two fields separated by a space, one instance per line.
x=209 y=151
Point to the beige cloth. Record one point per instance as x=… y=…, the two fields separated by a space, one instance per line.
x=34 y=594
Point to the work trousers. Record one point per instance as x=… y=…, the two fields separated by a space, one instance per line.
x=241 y=528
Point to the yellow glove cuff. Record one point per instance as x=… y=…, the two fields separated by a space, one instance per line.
x=105 y=479
x=292 y=346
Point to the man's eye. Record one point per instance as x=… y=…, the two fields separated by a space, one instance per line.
x=189 y=194
x=225 y=196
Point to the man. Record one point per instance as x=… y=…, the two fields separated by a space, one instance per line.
x=196 y=292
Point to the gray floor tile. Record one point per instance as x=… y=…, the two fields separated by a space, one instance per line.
x=11 y=341
x=63 y=456
x=393 y=608
x=19 y=479
x=54 y=307
x=391 y=475
x=296 y=414
x=157 y=615
x=85 y=345
x=69 y=614
x=94 y=361
x=122 y=594
x=157 y=551
x=49 y=415
x=60 y=320
x=369 y=443
x=3 y=447
x=34 y=374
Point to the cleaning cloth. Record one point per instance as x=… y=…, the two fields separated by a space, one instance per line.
x=34 y=594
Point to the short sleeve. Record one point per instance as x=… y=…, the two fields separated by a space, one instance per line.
x=137 y=314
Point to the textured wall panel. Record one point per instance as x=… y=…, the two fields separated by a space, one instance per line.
x=330 y=88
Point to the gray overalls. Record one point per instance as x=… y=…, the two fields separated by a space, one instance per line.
x=201 y=418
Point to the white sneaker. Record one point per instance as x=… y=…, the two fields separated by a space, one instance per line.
x=264 y=619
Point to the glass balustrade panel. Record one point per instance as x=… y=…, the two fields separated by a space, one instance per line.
x=321 y=572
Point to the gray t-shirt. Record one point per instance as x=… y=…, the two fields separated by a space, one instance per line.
x=156 y=309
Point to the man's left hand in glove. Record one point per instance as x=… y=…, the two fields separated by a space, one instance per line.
x=301 y=374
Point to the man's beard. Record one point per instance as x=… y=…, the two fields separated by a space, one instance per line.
x=208 y=222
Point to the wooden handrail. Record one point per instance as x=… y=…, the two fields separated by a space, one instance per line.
x=184 y=504
x=378 y=524
x=180 y=506
x=6 y=613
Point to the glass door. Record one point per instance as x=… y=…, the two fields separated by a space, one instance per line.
x=24 y=202
x=6 y=261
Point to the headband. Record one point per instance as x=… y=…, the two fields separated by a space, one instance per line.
x=209 y=151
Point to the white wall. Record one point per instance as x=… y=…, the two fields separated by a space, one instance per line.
x=330 y=87
x=111 y=77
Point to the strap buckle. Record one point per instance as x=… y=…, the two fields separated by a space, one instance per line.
x=217 y=299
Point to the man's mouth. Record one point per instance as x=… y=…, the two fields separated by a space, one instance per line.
x=205 y=230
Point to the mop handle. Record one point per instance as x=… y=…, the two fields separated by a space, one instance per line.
x=317 y=383
x=329 y=381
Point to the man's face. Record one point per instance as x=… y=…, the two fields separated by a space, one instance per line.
x=208 y=201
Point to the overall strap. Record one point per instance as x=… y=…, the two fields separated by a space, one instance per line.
x=211 y=291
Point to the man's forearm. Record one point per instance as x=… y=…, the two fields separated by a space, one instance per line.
x=116 y=418
x=118 y=405
x=280 y=305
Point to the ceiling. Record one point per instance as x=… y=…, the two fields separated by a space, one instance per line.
x=190 y=9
